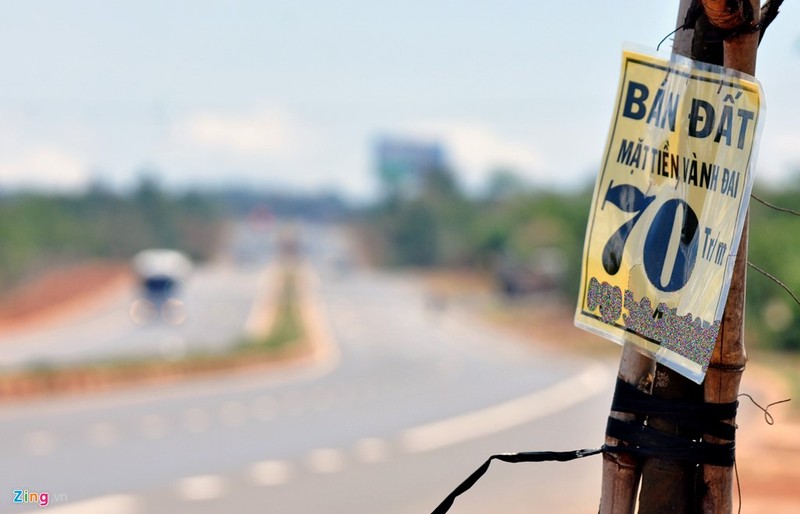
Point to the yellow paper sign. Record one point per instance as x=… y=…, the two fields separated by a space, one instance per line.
x=668 y=208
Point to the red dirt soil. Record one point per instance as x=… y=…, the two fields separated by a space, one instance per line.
x=60 y=293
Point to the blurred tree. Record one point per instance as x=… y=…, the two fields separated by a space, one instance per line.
x=442 y=227
x=504 y=184
x=772 y=316
x=39 y=230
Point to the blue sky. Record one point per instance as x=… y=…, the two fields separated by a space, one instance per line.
x=292 y=94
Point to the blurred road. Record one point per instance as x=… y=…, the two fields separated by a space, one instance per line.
x=219 y=300
x=408 y=402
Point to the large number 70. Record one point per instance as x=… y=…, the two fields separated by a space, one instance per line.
x=668 y=260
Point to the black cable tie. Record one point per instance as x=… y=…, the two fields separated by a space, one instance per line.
x=638 y=439
x=512 y=458
x=707 y=418
x=645 y=441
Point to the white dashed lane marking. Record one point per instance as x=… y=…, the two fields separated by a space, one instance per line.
x=233 y=414
x=153 y=426
x=196 y=420
x=326 y=460
x=264 y=408
x=201 y=488
x=322 y=461
x=40 y=442
x=103 y=434
x=371 y=450
x=271 y=472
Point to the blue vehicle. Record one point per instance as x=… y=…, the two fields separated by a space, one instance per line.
x=161 y=274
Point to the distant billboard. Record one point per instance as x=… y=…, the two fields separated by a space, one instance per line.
x=402 y=164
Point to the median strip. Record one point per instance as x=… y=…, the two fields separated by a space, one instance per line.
x=294 y=325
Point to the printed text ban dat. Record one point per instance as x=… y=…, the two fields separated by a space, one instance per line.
x=726 y=124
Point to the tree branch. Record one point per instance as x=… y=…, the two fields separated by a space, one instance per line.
x=769 y=11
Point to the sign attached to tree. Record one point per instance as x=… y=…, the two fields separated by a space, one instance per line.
x=668 y=208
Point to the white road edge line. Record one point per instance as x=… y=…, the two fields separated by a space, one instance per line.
x=544 y=402
x=103 y=434
x=40 y=442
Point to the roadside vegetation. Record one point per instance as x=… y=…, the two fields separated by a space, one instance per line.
x=775 y=247
x=529 y=243
x=287 y=326
x=524 y=241
x=44 y=234
x=43 y=231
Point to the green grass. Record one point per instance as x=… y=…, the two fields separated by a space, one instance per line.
x=287 y=327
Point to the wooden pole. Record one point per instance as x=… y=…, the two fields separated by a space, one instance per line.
x=621 y=472
x=729 y=359
x=670 y=486
x=722 y=381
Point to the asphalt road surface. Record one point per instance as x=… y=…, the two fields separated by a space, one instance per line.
x=406 y=403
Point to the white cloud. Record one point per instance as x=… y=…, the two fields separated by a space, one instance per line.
x=262 y=133
x=785 y=145
x=475 y=150
x=43 y=166
x=778 y=156
x=263 y=145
